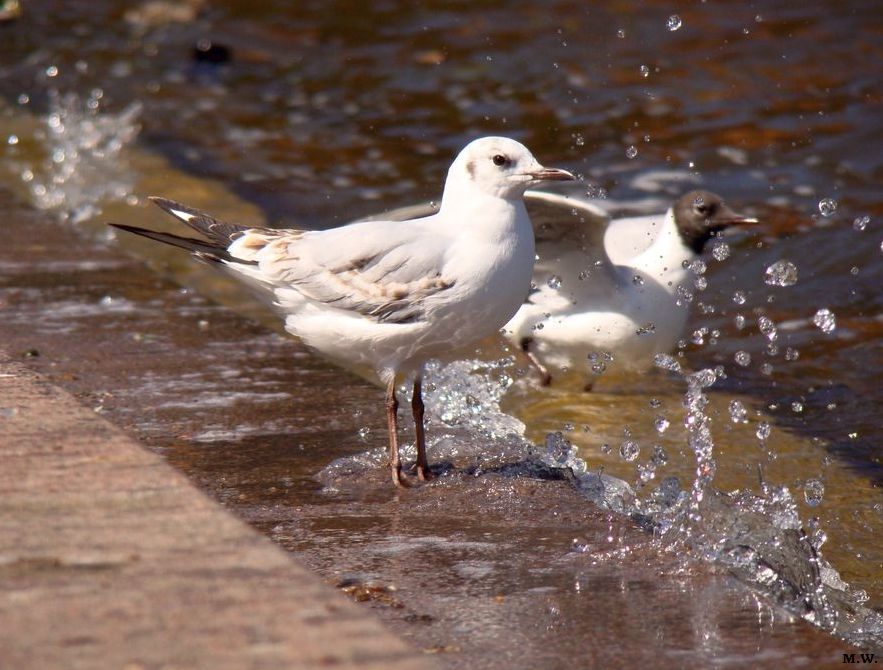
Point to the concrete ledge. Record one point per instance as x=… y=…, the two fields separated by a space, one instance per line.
x=109 y=558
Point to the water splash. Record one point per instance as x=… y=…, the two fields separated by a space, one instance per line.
x=759 y=537
x=468 y=393
x=84 y=160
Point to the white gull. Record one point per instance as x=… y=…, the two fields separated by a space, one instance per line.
x=388 y=295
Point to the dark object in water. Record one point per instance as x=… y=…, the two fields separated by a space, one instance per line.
x=207 y=51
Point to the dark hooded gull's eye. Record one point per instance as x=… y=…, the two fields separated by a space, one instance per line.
x=701 y=207
x=499 y=160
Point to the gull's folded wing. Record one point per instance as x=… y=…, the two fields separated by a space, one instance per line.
x=387 y=276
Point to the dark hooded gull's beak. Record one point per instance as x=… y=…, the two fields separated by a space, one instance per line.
x=727 y=217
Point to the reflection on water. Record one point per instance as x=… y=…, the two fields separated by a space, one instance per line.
x=328 y=112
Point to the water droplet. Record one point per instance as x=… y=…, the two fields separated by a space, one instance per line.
x=763 y=431
x=739 y=297
x=638 y=280
x=674 y=22
x=620 y=33
x=827 y=207
x=703 y=378
x=659 y=456
x=698 y=267
x=579 y=140
x=364 y=433
x=684 y=295
x=631 y=151
x=861 y=222
x=661 y=424
x=813 y=492
x=23 y=99
x=766 y=369
x=781 y=273
x=629 y=450
x=580 y=545
x=742 y=358
x=796 y=407
x=51 y=71
x=558 y=447
x=738 y=413
x=720 y=251
x=646 y=472
x=791 y=354
x=554 y=282
x=767 y=327
x=739 y=321
x=645 y=71
x=825 y=320
x=12 y=140
x=667 y=362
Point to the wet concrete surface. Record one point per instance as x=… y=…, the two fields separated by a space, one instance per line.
x=479 y=570
x=111 y=558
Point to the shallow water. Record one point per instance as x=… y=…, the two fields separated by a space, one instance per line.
x=324 y=115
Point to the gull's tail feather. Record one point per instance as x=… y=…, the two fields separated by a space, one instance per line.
x=201 y=248
x=219 y=232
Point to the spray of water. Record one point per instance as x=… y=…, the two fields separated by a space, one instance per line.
x=759 y=537
x=83 y=162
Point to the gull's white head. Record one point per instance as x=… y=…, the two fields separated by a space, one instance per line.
x=500 y=167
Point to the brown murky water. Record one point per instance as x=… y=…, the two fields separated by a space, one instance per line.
x=329 y=111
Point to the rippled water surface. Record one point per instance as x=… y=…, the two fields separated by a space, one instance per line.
x=322 y=112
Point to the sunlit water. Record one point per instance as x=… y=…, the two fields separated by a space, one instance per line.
x=772 y=398
x=757 y=532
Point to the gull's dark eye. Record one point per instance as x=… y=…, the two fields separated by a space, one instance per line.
x=500 y=160
x=701 y=207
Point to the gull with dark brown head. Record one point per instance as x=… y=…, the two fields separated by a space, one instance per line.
x=609 y=288
x=385 y=296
